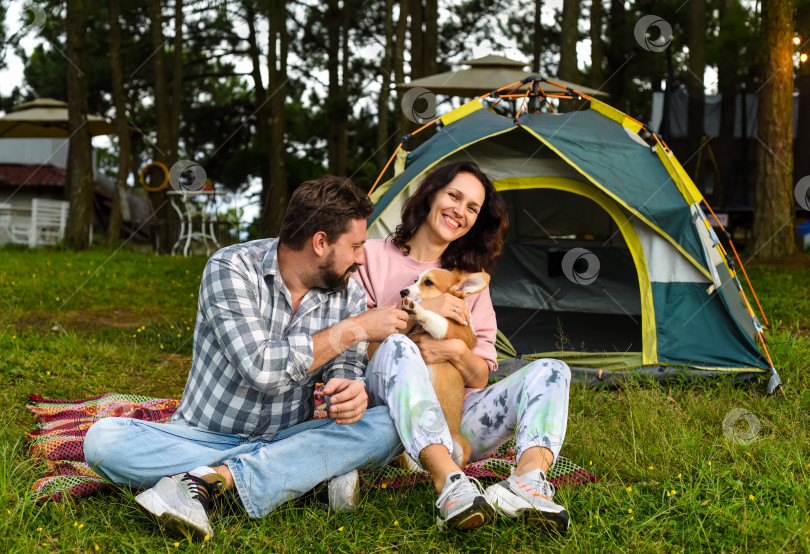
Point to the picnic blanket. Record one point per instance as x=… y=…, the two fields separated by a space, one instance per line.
x=57 y=443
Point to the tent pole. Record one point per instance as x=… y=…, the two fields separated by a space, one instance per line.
x=737 y=256
x=399 y=146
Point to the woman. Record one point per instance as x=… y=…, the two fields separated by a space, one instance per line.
x=456 y=219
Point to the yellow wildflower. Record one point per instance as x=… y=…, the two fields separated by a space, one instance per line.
x=750 y=497
x=629 y=489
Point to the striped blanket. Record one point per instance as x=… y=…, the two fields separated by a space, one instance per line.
x=57 y=442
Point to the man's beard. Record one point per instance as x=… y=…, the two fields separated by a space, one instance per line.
x=331 y=279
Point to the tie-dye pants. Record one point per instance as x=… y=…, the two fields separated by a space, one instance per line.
x=531 y=404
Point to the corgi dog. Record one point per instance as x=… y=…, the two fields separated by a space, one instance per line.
x=445 y=378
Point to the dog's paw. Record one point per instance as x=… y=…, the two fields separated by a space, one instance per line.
x=408 y=305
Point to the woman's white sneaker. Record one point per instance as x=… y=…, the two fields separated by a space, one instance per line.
x=461 y=505
x=529 y=496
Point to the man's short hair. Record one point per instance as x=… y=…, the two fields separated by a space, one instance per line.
x=328 y=204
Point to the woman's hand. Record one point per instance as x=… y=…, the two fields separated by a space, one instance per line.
x=449 y=305
x=437 y=351
x=473 y=369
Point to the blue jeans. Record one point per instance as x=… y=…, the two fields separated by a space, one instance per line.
x=266 y=473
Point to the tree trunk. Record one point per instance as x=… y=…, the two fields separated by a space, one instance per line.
x=569 y=36
x=430 y=53
x=343 y=106
x=417 y=34
x=262 y=113
x=620 y=47
x=726 y=82
x=801 y=144
x=336 y=103
x=80 y=175
x=165 y=235
x=398 y=62
x=333 y=68
x=694 y=82
x=774 y=218
x=597 y=52
x=177 y=83
x=277 y=194
x=385 y=89
x=537 y=41
x=120 y=206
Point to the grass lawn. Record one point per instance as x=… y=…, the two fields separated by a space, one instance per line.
x=78 y=325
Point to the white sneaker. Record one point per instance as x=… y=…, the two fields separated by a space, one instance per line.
x=344 y=492
x=183 y=502
x=529 y=496
x=461 y=504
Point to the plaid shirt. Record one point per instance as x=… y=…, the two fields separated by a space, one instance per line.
x=251 y=354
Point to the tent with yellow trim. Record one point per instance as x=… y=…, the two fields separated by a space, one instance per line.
x=609 y=263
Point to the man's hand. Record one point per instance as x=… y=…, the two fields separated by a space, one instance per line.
x=347 y=400
x=449 y=305
x=380 y=323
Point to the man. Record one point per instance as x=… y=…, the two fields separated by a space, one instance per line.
x=275 y=316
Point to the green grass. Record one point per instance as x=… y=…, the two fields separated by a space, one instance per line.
x=76 y=325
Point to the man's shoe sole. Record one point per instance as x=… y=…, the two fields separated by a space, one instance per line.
x=154 y=506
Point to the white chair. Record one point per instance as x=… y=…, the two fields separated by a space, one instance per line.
x=5 y=223
x=48 y=223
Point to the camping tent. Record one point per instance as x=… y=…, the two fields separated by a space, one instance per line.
x=610 y=262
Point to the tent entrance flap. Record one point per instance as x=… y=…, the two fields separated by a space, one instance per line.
x=545 y=295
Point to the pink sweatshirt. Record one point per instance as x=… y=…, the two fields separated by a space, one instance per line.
x=388 y=271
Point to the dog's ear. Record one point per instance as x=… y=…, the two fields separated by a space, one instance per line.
x=472 y=283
